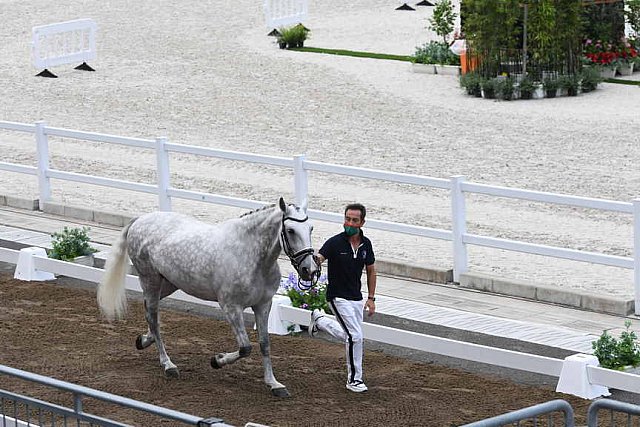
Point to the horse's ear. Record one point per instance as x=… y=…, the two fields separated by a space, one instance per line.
x=283 y=205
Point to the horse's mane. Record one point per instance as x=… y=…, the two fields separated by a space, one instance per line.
x=262 y=209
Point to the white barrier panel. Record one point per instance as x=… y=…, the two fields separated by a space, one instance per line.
x=64 y=43
x=280 y=13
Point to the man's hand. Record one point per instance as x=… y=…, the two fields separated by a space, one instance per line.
x=319 y=259
x=370 y=306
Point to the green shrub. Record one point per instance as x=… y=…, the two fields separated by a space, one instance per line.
x=590 y=78
x=550 y=85
x=471 y=83
x=435 y=53
x=71 y=243
x=505 y=88
x=527 y=87
x=293 y=36
x=570 y=83
x=615 y=353
x=489 y=87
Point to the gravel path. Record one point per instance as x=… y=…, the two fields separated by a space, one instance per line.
x=204 y=75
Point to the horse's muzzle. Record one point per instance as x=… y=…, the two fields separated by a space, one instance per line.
x=308 y=269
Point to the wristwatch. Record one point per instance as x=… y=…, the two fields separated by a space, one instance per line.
x=372 y=298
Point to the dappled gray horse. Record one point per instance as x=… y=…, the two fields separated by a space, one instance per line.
x=234 y=263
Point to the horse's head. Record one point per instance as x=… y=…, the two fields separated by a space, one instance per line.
x=295 y=237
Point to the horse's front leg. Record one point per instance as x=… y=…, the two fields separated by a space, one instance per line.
x=261 y=313
x=235 y=318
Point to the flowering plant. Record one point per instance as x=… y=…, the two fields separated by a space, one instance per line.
x=599 y=52
x=607 y=54
x=308 y=296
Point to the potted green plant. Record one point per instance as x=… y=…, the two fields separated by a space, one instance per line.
x=506 y=89
x=72 y=244
x=424 y=59
x=489 y=87
x=619 y=354
x=440 y=58
x=292 y=37
x=570 y=83
x=550 y=85
x=526 y=87
x=471 y=83
x=589 y=79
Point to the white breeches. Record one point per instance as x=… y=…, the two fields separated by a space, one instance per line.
x=347 y=327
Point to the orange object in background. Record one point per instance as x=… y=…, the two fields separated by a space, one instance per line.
x=466 y=67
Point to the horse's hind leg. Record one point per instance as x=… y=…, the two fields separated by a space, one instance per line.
x=145 y=340
x=261 y=313
x=235 y=318
x=152 y=295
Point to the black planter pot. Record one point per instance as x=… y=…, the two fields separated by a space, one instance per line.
x=572 y=91
x=526 y=95
x=282 y=45
x=550 y=93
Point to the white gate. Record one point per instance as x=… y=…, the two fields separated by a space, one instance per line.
x=280 y=13
x=63 y=43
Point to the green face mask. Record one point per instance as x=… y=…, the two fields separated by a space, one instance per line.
x=351 y=231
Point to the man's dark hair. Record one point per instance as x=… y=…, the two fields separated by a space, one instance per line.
x=357 y=207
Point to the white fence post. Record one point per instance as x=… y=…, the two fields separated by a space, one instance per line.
x=458 y=228
x=164 y=200
x=42 y=152
x=636 y=254
x=301 y=181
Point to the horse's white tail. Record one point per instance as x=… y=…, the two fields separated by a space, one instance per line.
x=112 y=297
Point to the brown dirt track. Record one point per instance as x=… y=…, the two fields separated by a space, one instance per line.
x=57 y=331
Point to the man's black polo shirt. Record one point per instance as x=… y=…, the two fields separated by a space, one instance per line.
x=345 y=266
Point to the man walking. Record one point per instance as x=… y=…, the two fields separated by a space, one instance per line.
x=347 y=254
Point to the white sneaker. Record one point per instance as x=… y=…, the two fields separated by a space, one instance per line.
x=313 y=327
x=357 y=386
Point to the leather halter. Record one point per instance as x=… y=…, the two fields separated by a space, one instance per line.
x=296 y=258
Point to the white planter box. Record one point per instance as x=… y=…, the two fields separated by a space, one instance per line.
x=84 y=260
x=626 y=69
x=608 y=72
x=448 y=70
x=423 y=68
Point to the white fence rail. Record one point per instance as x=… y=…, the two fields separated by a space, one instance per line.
x=457 y=186
x=63 y=43
x=407 y=339
x=280 y=13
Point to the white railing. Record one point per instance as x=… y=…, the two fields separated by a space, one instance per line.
x=407 y=339
x=63 y=43
x=457 y=186
x=280 y=13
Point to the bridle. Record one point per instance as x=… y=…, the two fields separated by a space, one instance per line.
x=296 y=258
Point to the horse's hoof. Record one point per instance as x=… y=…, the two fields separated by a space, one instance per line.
x=214 y=363
x=172 y=373
x=139 y=345
x=280 y=392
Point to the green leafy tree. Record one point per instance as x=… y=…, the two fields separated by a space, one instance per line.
x=632 y=15
x=442 y=19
